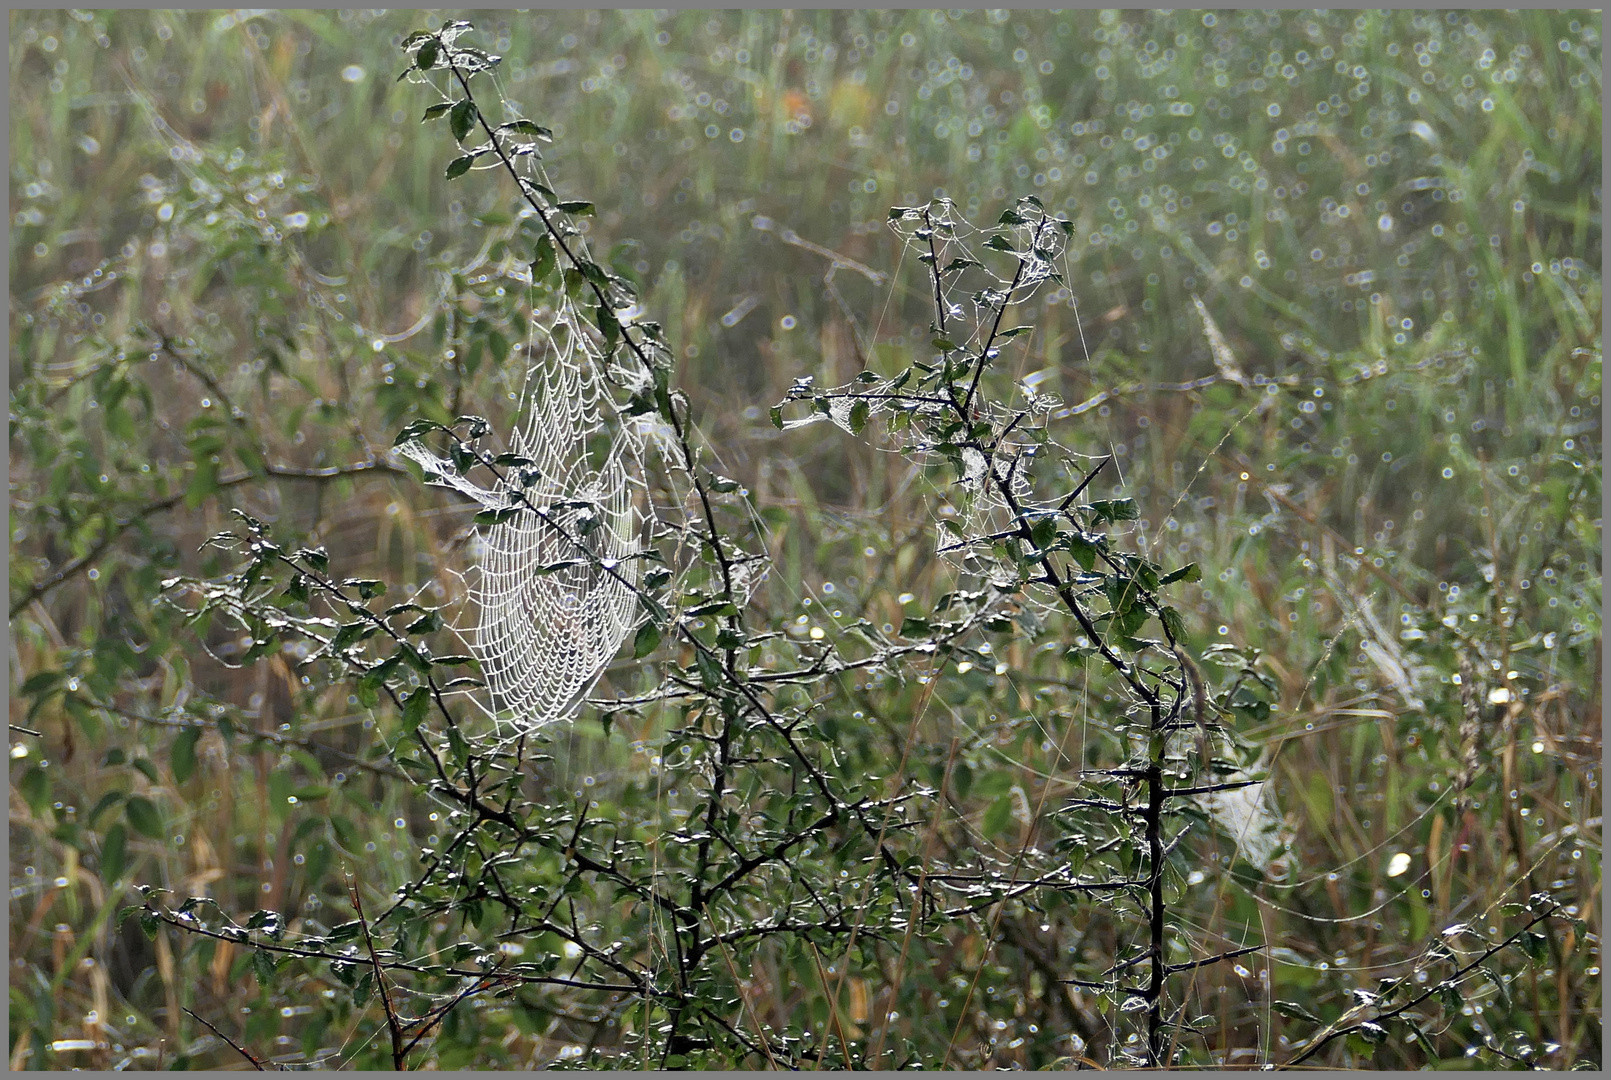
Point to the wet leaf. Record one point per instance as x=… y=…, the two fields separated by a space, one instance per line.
x=1295 y=1011
x=647 y=640
x=182 y=758
x=415 y=707
x=144 y=816
x=461 y=120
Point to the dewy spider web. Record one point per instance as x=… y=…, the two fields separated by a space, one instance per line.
x=940 y=234
x=544 y=635
x=969 y=317
x=553 y=586
x=554 y=581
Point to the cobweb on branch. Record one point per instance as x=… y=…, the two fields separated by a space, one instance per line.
x=553 y=587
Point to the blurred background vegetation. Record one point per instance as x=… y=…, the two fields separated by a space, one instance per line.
x=236 y=270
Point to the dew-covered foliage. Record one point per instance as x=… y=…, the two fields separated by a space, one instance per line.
x=1314 y=334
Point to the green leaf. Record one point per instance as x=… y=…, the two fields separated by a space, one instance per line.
x=425 y=59
x=144 y=816
x=114 y=853
x=1131 y=619
x=527 y=127
x=457 y=746
x=858 y=417
x=1116 y=509
x=203 y=482
x=434 y=111
x=268 y=921
x=297 y=590
x=1535 y=945
x=961 y=779
x=579 y=207
x=1000 y=243
x=712 y=607
x=575 y=282
x=472 y=60
x=413 y=430
x=1082 y=549
x=996 y=818
x=1295 y=1011
x=104 y=803
x=647 y=640
x=1043 y=533
x=915 y=627
x=183 y=756
x=462 y=119
x=455 y=660
x=459 y=166
x=35 y=788
x=496 y=517
x=42 y=680
x=415 y=707
x=777 y=416
x=609 y=326
x=1420 y=1034
x=347 y=635
x=1173 y=622
x=263 y=968
x=710 y=671
x=1189 y=572
x=944 y=344
x=346 y=931
x=543 y=260
x=428 y=623
x=1006 y=335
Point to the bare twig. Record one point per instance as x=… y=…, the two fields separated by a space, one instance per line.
x=399 y=1051
x=1337 y=1029
x=120 y=526
x=237 y=1047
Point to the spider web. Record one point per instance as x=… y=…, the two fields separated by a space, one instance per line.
x=553 y=587
x=973 y=300
x=970 y=319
